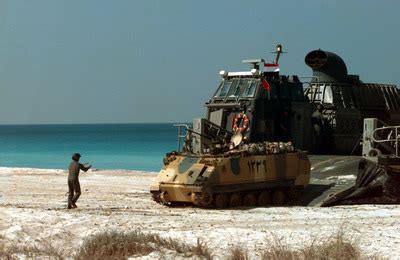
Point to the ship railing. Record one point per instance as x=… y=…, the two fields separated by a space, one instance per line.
x=311 y=88
x=183 y=132
x=388 y=137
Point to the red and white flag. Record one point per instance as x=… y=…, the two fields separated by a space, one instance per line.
x=266 y=85
x=271 y=67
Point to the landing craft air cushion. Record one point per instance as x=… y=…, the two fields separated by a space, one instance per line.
x=243 y=152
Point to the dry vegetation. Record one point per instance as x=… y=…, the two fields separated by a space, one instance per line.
x=4 y=253
x=115 y=244
x=41 y=249
x=121 y=245
x=336 y=247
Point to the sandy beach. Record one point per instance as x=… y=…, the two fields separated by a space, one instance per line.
x=33 y=201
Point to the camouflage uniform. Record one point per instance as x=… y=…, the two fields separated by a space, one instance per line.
x=317 y=120
x=73 y=182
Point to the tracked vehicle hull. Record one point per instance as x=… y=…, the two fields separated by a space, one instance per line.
x=232 y=180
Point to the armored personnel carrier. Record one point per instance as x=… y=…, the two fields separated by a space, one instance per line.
x=232 y=179
x=241 y=153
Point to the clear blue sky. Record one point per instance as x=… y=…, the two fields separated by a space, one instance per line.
x=158 y=61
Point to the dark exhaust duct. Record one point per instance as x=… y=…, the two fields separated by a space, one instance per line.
x=327 y=66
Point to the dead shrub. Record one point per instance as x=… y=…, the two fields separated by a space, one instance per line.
x=38 y=249
x=202 y=249
x=238 y=253
x=116 y=245
x=336 y=247
x=278 y=250
x=4 y=253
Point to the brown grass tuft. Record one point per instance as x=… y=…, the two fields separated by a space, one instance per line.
x=116 y=245
x=278 y=250
x=39 y=249
x=336 y=247
x=4 y=253
x=238 y=253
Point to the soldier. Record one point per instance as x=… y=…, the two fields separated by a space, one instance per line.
x=317 y=119
x=73 y=180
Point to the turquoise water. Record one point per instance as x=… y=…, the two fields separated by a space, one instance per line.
x=105 y=146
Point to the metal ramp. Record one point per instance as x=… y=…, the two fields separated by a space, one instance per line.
x=378 y=178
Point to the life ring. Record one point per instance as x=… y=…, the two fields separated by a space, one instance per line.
x=236 y=122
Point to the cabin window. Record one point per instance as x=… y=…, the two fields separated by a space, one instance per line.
x=250 y=89
x=235 y=89
x=239 y=88
x=224 y=89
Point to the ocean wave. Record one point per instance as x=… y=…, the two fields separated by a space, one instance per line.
x=26 y=169
x=124 y=171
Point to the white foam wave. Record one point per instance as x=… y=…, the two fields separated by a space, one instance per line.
x=25 y=169
x=121 y=171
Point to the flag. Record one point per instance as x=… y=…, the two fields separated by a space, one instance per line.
x=271 y=67
x=266 y=85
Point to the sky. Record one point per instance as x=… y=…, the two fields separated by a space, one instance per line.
x=128 y=61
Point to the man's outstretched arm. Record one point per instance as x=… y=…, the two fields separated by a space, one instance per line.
x=83 y=168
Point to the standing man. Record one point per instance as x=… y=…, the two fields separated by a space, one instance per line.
x=318 y=120
x=73 y=180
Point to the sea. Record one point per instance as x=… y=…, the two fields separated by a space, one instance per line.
x=139 y=147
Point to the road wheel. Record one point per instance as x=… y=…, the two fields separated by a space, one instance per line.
x=278 y=198
x=250 y=200
x=221 y=200
x=235 y=200
x=156 y=196
x=292 y=193
x=264 y=199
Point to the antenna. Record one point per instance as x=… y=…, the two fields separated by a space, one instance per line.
x=278 y=52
